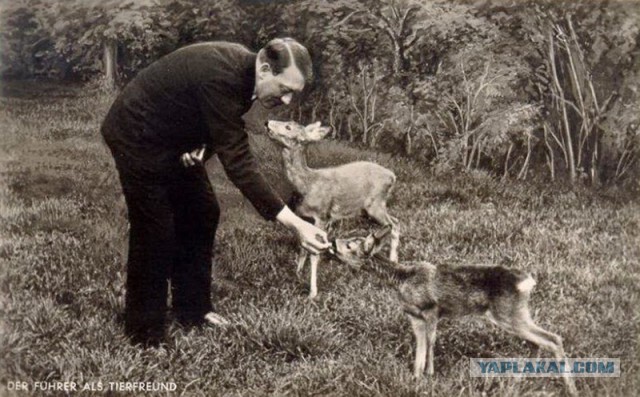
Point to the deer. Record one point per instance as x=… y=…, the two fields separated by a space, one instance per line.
x=428 y=292
x=333 y=193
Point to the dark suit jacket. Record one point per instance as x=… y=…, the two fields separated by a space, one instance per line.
x=190 y=97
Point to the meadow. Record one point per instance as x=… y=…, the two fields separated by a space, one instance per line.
x=63 y=246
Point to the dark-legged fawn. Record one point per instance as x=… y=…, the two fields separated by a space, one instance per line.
x=428 y=292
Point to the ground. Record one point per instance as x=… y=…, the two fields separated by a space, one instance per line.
x=63 y=245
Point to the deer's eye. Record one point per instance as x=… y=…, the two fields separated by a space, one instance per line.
x=288 y=127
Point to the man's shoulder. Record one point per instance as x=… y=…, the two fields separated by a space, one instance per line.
x=221 y=59
x=217 y=47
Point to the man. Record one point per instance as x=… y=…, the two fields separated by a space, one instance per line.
x=159 y=125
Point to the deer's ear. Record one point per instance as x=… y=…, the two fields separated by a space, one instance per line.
x=374 y=242
x=311 y=127
x=369 y=244
x=323 y=131
x=317 y=133
x=382 y=233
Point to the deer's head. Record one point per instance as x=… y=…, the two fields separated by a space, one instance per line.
x=353 y=251
x=291 y=134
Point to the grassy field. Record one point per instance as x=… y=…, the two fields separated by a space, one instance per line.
x=62 y=250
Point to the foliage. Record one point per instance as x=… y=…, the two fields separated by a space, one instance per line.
x=513 y=88
x=71 y=34
x=24 y=40
x=62 y=274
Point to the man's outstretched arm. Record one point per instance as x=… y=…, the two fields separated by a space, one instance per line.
x=312 y=238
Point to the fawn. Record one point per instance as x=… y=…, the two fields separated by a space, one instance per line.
x=428 y=292
x=333 y=193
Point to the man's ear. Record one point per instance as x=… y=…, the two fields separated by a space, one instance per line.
x=264 y=68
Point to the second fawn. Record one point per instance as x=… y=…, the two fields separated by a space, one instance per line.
x=428 y=292
x=332 y=193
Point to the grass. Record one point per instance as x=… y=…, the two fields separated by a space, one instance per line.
x=63 y=245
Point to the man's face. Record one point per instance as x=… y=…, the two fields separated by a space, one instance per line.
x=274 y=90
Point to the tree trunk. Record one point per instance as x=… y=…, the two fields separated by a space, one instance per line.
x=525 y=167
x=408 y=143
x=563 y=108
x=352 y=137
x=505 y=174
x=550 y=156
x=398 y=58
x=110 y=60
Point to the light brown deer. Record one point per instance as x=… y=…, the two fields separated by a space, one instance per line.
x=428 y=292
x=333 y=193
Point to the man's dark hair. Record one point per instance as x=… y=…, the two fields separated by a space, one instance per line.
x=277 y=56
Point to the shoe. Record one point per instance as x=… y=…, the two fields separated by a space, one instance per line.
x=147 y=341
x=145 y=331
x=216 y=319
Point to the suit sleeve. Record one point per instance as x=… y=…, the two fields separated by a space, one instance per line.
x=222 y=110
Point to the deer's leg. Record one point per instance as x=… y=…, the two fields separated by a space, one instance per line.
x=330 y=227
x=535 y=350
x=302 y=259
x=519 y=322
x=395 y=243
x=378 y=211
x=431 y=318
x=557 y=340
x=555 y=347
x=315 y=259
x=522 y=325
x=313 y=289
x=419 y=326
x=303 y=254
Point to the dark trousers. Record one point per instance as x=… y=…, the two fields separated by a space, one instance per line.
x=173 y=221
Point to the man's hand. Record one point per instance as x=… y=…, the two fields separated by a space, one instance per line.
x=311 y=238
x=194 y=157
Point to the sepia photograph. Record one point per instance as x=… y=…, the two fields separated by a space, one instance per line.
x=320 y=198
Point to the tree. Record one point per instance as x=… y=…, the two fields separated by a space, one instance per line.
x=24 y=40
x=363 y=89
x=570 y=75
